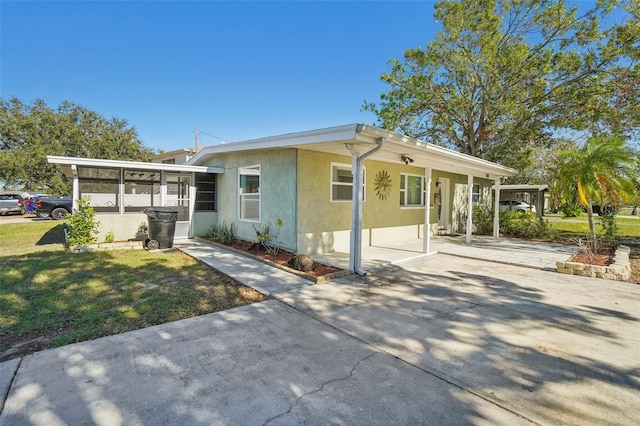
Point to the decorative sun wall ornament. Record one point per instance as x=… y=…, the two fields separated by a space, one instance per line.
x=382 y=184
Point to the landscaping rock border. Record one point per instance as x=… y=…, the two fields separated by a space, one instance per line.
x=619 y=270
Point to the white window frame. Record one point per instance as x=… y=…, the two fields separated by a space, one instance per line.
x=345 y=166
x=403 y=192
x=476 y=197
x=246 y=171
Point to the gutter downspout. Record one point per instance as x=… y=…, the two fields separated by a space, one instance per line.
x=355 y=250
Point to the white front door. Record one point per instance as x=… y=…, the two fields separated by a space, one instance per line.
x=443 y=207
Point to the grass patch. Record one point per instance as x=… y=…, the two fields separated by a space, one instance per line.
x=626 y=228
x=18 y=238
x=51 y=297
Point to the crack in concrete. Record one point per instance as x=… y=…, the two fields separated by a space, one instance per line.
x=3 y=400
x=491 y=399
x=340 y=379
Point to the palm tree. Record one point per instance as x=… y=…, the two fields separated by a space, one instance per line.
x=602 y=170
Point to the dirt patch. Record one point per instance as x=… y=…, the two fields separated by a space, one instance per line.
x=20 y=346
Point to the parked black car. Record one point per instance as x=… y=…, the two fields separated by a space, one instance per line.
x=56 y=207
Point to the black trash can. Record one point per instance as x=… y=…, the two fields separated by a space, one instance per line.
x=162 y=227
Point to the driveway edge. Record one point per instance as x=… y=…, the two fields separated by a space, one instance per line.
x=8 y=372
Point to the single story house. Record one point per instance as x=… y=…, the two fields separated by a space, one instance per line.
x=335 y=189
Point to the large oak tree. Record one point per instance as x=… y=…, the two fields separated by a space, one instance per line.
x=503 y=76
x=28 y=133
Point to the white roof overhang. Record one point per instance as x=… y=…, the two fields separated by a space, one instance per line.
x=68 y=162
x=342 y=140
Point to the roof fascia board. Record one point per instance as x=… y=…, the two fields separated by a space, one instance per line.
x=483 y=166
x=332 y=134
x=137 y=165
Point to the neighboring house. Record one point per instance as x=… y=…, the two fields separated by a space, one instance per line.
x=307 y=180
x=180 y=156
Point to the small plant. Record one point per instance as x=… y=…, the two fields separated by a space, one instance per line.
x=609 y=226
x=586 y=247
x=223 y=234
x=267 y=240
x=109 y=237
x=82 y=226
x=143 y=231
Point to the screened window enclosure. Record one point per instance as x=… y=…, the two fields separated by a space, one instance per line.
x=141 y=189
x=102 y=185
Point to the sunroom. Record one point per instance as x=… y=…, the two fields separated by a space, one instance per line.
x=120 y=191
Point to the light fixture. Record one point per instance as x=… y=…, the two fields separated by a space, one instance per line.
x=406 y=159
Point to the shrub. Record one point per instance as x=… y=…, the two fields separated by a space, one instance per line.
x=609 y=226
x=223 y=234
x=482 y=219
x=525 y=225
x=570 y=210
x=82 y=226
x=109 y=237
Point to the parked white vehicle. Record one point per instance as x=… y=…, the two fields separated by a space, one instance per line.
x=516 y=205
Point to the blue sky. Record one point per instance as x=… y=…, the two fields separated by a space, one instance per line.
x=237 y=70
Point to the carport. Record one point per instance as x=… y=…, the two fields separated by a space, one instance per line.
x=536 y=195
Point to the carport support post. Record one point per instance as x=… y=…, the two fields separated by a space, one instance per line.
x=75 y=188
x=427 y=213
x=496 y=209
x=469 y=207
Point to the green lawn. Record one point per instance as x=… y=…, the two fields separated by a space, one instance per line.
x=51 y=297
x=627 y=227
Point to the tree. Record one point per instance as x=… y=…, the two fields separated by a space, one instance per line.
x=28 y=133
x=602 y=170
x=503 y=75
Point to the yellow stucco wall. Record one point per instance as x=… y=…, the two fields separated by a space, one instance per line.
x=296 y=187
x=324 y=225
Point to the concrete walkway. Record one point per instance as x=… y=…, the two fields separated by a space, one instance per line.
x=531 y=254
x=430 y=340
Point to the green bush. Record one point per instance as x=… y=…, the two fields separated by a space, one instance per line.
x=223 y=234
x=525 y=225
x=482 y=219
x=82 y=226
x=570 y=210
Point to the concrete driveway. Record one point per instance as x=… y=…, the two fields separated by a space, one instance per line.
x=440 y=340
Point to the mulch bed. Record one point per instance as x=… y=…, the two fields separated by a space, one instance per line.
x=603 y=258
x=282 y=258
